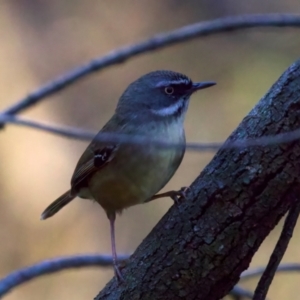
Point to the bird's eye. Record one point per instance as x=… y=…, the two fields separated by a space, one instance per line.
x=169 y=90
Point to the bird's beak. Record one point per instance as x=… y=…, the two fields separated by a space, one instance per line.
x=202 y=85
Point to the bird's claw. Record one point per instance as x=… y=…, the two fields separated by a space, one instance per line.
x=180 y=194
x=118 y=274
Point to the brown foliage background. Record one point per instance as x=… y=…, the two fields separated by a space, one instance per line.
x=42 y=39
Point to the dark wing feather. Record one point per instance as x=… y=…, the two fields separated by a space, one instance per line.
x=96 y=156
x=90 y=162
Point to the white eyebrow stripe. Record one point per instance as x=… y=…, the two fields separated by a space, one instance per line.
x=167 y=83
x=170 y=110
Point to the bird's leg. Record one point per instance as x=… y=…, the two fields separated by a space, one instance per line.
x=174 y=195
x=112 y=218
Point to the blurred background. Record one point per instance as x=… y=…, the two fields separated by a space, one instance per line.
x=43 y=39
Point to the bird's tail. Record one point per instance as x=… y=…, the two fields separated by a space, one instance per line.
x=57 y=205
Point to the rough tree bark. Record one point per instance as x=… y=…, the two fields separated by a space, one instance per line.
x=199 y=248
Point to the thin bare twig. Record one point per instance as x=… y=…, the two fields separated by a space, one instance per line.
x=291 y=267
x=158 y=41
x=279 y=250
x=238 y=293
x=54 y=265
x=74 y=133
x=68 y=132
x=58 y=264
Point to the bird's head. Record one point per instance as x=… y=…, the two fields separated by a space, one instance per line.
x=160 y=94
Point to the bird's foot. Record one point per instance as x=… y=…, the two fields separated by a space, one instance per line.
x=118 y=274
x=174 y=195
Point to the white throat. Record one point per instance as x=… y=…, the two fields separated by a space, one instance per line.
x=178 y=107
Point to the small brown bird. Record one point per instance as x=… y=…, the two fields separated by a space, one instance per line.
x=120 y=175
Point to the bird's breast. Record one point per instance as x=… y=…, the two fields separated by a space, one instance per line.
x=139 y=171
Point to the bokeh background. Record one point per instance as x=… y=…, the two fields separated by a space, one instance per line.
x=43 y=39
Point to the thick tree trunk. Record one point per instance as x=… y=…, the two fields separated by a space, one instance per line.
x=199 y=248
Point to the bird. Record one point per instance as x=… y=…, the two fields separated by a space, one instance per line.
x=117 y=174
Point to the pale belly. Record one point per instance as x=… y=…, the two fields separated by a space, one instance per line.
x=133 y=176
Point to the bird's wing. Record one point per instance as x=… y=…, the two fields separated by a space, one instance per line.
x=91 y=161
x=97 y=155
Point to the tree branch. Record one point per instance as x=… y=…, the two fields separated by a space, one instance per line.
x=85 y=135
x=288 y=267
x=158 y=41
x=79 y=261
x=54 y=265
x=239 y=293
x=46 y=267
x=279 y=251
x=200 y=247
